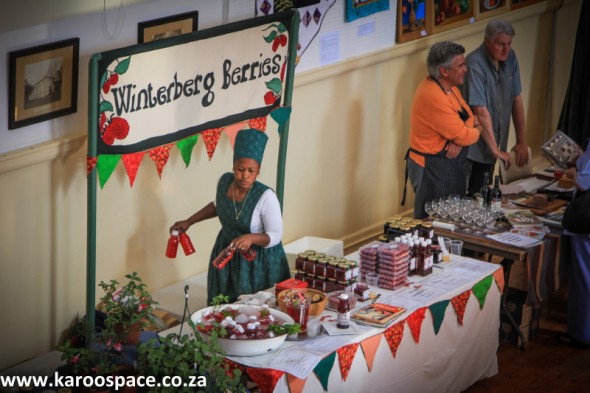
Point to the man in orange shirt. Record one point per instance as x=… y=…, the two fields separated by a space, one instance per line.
x=441 y=126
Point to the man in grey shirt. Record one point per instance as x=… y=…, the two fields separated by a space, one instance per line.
x=492 y=88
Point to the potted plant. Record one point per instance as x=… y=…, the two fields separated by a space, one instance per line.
x=128 y=308
x=188 y=357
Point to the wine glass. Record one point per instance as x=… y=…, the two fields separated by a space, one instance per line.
x=429 y=209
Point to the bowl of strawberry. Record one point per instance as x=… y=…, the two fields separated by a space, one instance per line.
x=245 y=330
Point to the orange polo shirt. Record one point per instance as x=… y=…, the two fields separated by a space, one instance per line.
x=434 y=120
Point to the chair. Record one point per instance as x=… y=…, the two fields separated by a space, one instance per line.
x=515 y=173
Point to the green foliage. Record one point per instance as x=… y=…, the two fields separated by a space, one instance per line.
x=189 y=355
x=219 y=300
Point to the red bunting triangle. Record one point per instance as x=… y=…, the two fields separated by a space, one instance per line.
x=459 y=303
x=345 y=357
x=499 y=277
x=90 y=164
x=415 y=323
x=131 y=162
x=160 y=156
x=296 y=385
x=265 y=378
x=394 y=335
x=370 y=346
x=211 y=138
x=258 y=123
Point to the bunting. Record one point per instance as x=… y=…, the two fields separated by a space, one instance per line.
x=324 y=368
x=459 y=302
x=394 y=335
x=369 y=347
x=345 y=357
x=258 y=123
x=90 y=164
x=186 y=146
x=296 y=385
x=415 y=323
x=160 y=157
x=131 y=163
x=480 y=290
x=499 y=278
x=438 y=314
x=105 y=165
x=265 y=378
x=211 y=138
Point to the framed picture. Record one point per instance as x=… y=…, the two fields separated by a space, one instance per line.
x=412 y=19
x=43 y=82
x=514 y=4
x=169 y=26
x=490 y=8
x=359 y=8
x=449 y=14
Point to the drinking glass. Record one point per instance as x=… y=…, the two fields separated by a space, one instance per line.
x=456 y=247
x=429 y=209
x=298 y=309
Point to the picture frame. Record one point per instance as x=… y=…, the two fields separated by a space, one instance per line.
x=168 y=26
x=43 y=82
x=360 y=8
x=490 y=8
x=412 y=20
x=515 y=4
x=452 y=14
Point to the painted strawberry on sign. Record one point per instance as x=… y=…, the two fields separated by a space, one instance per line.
x=277 y=37
x=111 y=127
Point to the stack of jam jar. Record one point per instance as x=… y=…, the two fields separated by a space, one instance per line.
x=398 y=226
x=326 y=273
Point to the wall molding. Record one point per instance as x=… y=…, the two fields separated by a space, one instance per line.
x=43 y=152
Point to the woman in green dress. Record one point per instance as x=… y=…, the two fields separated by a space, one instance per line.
x=250 y=217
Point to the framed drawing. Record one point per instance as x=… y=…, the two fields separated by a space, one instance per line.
x=449 y=14
x=359 y=8
x=514 y=4
x=412 y=19
x=490 y=8
x=169 y=26
x=43 y=82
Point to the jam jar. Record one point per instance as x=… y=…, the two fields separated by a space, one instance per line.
x=343 y=273
x=300 y=261
x=427 y=230
x=310 y=265
x=321 y=267
x=331 y=269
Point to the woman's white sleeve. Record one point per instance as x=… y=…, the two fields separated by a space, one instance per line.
x=267 y=218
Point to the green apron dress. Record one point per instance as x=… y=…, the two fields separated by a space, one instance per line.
x=240 y=276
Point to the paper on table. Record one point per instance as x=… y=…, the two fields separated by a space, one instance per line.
x=443 y=225
x=528 y=184
x=514 y=239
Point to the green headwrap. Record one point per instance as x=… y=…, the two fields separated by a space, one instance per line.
x=250 y=143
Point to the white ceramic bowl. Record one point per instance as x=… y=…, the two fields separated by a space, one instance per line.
x=251 y=347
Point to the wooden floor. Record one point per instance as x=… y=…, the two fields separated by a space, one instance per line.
x=545 y=365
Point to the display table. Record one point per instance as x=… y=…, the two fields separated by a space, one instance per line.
x=445 y=341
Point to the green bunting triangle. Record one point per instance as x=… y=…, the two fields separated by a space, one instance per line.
x=438 y=314
x=105 y=165
x=186 y=147
x=324 y=368
x=281 y=114
x=480 y=290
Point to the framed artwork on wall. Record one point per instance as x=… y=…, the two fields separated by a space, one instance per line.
x=169 y=26
x=412 y=19
x=514 y=4
x=43 y=82
x=449 y=14
x=358 y=8
x=490 y=8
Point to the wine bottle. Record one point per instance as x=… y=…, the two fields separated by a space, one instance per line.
x=496 y=195
x=485 y=190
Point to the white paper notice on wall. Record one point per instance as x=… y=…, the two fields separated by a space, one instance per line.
x=329 y=48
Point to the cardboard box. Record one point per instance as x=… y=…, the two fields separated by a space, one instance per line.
x=327 y=246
